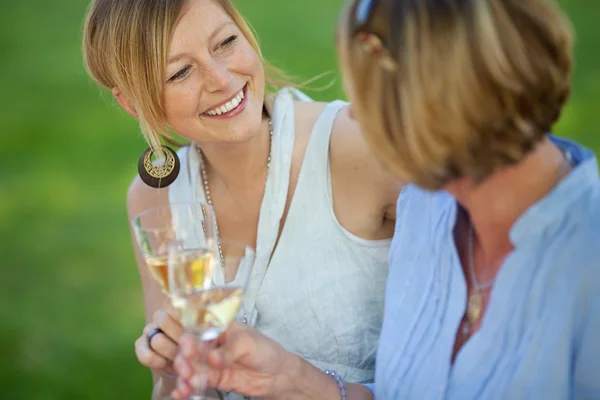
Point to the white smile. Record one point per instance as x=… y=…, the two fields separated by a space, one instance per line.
x=229 y=106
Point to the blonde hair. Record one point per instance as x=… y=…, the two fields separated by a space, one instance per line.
x=475 y=85
x=126 y=43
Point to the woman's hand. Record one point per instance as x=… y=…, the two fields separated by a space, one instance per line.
x=244 y=361
x=159 y=343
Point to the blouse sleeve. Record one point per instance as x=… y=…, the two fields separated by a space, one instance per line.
x=586 y=379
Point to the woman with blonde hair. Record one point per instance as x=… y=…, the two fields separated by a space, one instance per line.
x=291 y=177
x=494 y=284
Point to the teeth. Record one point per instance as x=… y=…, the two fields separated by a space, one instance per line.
x=232 y=104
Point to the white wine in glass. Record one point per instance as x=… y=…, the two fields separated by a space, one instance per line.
x=156 y=228
x=210 y=312
x=208 y=292
x=158 y=267
x=207 y=300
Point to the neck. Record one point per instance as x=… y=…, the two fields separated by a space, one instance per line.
x=241 y=164
x=495 y=204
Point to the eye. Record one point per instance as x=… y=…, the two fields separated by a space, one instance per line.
x=180 y=74
x=228 y=42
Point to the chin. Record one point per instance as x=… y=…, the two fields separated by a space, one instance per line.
x=241 y=127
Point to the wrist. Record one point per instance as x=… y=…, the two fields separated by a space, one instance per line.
x=338 y=381
x=285 y=384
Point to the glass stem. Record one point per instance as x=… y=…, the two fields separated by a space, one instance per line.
x=199 y=381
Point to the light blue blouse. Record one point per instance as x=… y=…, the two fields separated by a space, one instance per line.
x=540 y=337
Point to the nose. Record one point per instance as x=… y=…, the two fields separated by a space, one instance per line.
x=217 y=77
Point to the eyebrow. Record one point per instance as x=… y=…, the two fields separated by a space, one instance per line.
x=212 y=35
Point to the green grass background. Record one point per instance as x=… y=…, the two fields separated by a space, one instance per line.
x=71 y=304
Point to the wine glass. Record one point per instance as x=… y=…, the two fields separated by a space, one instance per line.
x=156 y=228
x=207 y=288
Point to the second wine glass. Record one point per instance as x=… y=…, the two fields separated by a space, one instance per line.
x=208 y=292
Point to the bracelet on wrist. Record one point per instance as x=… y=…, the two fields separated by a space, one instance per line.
x=338 y=381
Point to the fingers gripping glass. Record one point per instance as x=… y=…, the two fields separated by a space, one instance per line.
x=155 y=229
x=207 y=293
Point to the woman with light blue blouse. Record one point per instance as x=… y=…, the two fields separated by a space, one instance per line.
x=494 y=283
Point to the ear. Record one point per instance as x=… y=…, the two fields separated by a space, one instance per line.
x=124 y=102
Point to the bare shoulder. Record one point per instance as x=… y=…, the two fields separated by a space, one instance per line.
x=141 y=197
x=356 y=173
x=306 y=115
x=355 y=167
x=349 y=147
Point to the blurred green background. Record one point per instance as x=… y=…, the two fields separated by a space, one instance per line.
x=71 y=305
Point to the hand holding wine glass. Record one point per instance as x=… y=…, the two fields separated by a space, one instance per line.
x=207 y=288
x=246 y=362
x=242 y=361
x=157 y=350
x=154 y=229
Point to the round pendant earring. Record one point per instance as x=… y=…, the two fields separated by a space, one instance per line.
x=158 y=176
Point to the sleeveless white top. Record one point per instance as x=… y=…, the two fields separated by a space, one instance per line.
x=321 y=294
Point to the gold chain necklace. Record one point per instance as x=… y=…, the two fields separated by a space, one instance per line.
x=209 y=198
x=475 y=304
x=475 y=300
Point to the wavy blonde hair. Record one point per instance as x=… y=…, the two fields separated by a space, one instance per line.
x=474 y=85
x=126 y=43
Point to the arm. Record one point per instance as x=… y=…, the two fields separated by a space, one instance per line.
x=359 y=182
x=364 y=194
x=141 y=197
x=311 y=383
x=249 y=363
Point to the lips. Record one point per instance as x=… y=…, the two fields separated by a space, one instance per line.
x=228 y=106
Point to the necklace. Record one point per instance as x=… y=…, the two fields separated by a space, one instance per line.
x=209 y=198
x=475 y=301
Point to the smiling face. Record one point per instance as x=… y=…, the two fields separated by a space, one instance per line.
x=215 y=81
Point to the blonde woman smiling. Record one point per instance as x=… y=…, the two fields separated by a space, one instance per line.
x=290 y=177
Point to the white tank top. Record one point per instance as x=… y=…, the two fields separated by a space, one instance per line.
x=321 y=294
